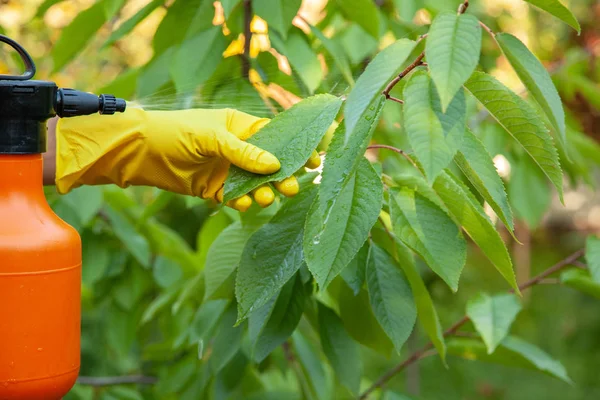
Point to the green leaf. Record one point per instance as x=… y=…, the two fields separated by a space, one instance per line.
x=529 y=192
x=337 y=54
x=111 y=7
x=426 y=312
x=536 y=79
x=77 y=34
x=341 y=350
x=467 y=211
x=206 y=318
x=159 y=304
x=154 y=75
x=246 y=98
x=384 y=66
x=96 y=258
x=357 y=43
x=168 y=243
x=391 y=296
x=354 y=273
x=291 y=136
x=131 y=239
x=128 y=291
x=166 y=272
x=223 y=257
x=319 y=386
x=434 y=136
x=209 y=232
x=301 y=57
x=228 y=6
x=158 y=203
x=519 y=119
x=364 y=13
x=512 y=352
x=359 y=320
x=592 y=256
x=493 y=316
x=452 y=48
x=556 y=8
x=343 y=157
x=478 y=167
x=419 y=184
x=192 y=289
x=277 y=13
x=430 y=232
x=45 y=6
x=581 y=280
x=228 y=340
x=197 y=58
x=132 y=22
x=86 y=201
x=407 y=8
x=332 y=240
x=273 y=323
x=175 y=24
x=273 y=254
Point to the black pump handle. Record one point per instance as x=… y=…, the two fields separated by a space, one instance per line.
x=27 y=60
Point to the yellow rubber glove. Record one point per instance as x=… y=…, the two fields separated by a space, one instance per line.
x=185 y=151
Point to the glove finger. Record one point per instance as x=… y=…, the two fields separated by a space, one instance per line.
x=247 y=156
x=244 y=125
x=314 y=161
x=264 y=196
x=288 y=187
x=242 y=203
x=219 y=194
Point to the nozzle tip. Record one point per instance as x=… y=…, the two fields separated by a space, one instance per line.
x=109 y=104
x=121 y=105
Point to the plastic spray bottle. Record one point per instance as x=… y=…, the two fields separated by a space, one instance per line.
x=40 y=254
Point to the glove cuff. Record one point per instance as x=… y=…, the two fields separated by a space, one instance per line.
x=94 y=149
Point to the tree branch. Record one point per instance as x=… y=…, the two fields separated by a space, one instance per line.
x=247 y=38
x=116 y=380
x=487 y=28
x=393 y=82
x=399 y=151
x=416 y=356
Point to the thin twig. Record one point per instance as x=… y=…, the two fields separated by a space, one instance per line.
x=392 y=148
x=549 y=281
x=115 y=380
x=580 y=265
x=392 y=98
x=287 y=351
x=487 y=28
x=416 y=356
x=247 y=38
x=393 y=82
x=463 y=7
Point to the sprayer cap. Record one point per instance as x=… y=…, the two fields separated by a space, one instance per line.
x=25 y=106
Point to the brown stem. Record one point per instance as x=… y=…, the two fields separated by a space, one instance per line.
x=487 y=28
x=463 y=7
x=416 y=356
x=399 y=151
x=392 y=98
x=287 y=351
x=393 y=82
x=115 y=380
x=247 y=38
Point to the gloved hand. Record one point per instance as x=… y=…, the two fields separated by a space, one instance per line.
x=185 y=151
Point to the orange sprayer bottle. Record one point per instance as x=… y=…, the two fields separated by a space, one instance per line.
x=40 y=255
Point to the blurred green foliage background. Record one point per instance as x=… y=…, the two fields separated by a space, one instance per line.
x=145 y=250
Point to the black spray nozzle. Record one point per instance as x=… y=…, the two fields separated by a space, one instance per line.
x=71 y=103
